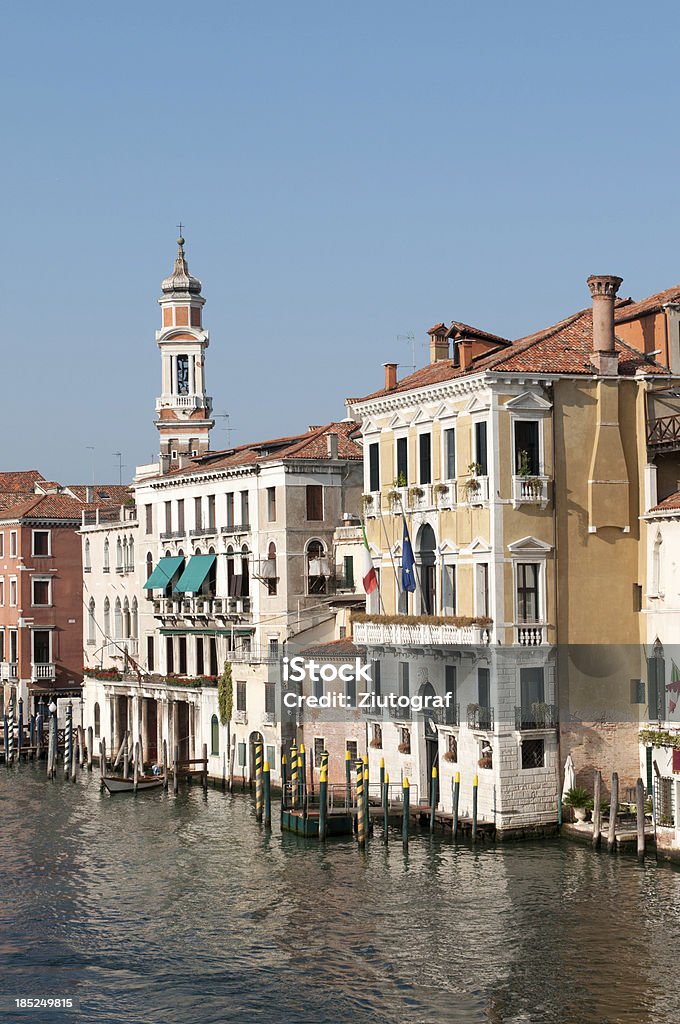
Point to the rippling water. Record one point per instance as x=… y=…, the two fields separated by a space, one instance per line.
x=156 y=909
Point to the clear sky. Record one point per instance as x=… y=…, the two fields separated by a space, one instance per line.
x=347 y=173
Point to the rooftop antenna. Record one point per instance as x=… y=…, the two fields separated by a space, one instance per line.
x=119 y=456
x=412 y=339
x=227 y=427
x=90 y=448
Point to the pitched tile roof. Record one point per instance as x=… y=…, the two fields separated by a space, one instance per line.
x=460 y=330
x=48 y=506
x=22 y=480
x=334 y=649
x=115 y=494
x=629 y=310
x=669 y=503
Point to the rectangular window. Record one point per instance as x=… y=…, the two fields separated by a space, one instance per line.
x=182 y=655
x=273 y=647
x=200 y=663
x=404 y=679
x=13 y=645
x=13 y=591
x=169 y=654
x=240 y=695
x=314 y=502
x=532 y=690
x=449 y=590
x=2 y=647
x=527 y=461
x=212 y=650
x=271 y=504
x=319 y=749
x=481 y=457
x=168 y=517
x=404 y=741
x=41 y=593
x=12 y=543
x=352 y=748
x=637 y=691
x=317 y=687
x=211 y=511
x=483 y=589
x=271 y=758
x=450 y=453
x=527 y=592
x=451 y=688
x=484 y=687
x=150 y=654
x=425 y=457
x=452 y=747
x=148 y=516
x=2 y=590
x=180 y=516
x=198 y=513
x=533 y=754
x=230 y=509
x=402 y=462
x=348 y=571
x=2 y=545
x=41 y=543
x=374 y=467
x=245 y=512
x=351 y=692
x=375 y=678
x=269 y=698
x=377 y=736
x=41 y=646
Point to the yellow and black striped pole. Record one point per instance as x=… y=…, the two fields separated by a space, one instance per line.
x=267 y=794
x=302 y=773
x=475 y=788
x=258 y=781
x=433 y=797
x=361 y=796
x=284 y=780
x=348 y=779
x=293 y=777
x=323 y=799
x=367 y=803
x=456 y=797
x=385 y=800
x=405 y=798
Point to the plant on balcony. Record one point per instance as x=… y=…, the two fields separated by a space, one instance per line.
x=486 y=761
x=404 y=748
x=111 y=674
x=472 y=486
x=225 y=694
x=449 y=756
x=376 y=743
x=415 y=494
x=422 y=620
x=440 y=490
x=542 y=714
x=660 y=738
x=401 y=480
x=367 y=501
x=530 y=483
x=394 y=498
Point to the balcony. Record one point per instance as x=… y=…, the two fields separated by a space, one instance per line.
x=268 y=718
x=479 y=718
x=538 y=716
x=371 y=504
x=400 y=714
x=204 y=531
x=110 y=514
x=663 y=433
x=530 y=635
x=9 y=671
x=129 y=644
x=43 y=672
x=425 y=634
x=253 y=656
x=174 y=535
x=474 y=490
x=182 y=401
x=529 y=490
x=240 y=718
x=236 y=528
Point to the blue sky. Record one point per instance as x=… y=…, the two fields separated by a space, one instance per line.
x=347 y=173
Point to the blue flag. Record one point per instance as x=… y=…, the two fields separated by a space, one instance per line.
x=408 y=574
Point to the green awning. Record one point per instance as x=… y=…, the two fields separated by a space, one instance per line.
x=191 y=580
x=163 y=573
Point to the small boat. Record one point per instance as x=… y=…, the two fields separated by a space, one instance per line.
x=117 y=784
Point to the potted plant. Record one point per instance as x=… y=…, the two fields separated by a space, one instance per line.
x=580 y=802
x=415 y=494
x=449 y=756
x=404 y=748
x=486 y=761
x=531 y=485
x=376 y=743
x=401 y=480
x=472 y=485
x=440 y=491
x=367 y=502
x=394 y=498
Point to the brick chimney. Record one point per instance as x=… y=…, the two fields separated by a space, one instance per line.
x=465 y=353
x=390 y=376
x=604 y=356
x=439 y=343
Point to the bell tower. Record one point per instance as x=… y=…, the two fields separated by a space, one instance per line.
x=183 y=410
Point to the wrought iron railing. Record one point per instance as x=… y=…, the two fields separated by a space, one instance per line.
x=480 y=718
x=538 y=716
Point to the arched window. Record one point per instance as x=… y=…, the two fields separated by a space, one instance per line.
x=119 y=554
x=270 y=573
x=317 y=568
x=107 y=618
x=91 y=627
x=117 y=620
x=134 y=619
x=131 y=553
x=427 y=547
x=245 y=573
x=126 y=619
x=97 y=721
x=106 y=555
x=214 y=735
x=149 y=570
x=231 y=572
x=211 y=550
x=197 y=551
x=87 y=564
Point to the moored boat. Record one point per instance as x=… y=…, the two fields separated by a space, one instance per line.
x=117 y=784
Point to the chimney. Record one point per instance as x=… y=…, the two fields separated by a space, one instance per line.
x=439 y=343
x=465 y=353
x=332 y=445
x=89 y=493
x=390 y=376
x=604 y=356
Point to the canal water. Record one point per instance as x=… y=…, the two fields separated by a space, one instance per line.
x=185 y=911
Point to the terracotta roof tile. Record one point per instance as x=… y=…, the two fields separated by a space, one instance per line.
x=629 y=310
x=48 y=506
x=23 y=480
x=334 y=649
x=669 y=503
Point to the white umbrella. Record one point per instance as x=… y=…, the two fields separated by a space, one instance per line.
x=569 y=776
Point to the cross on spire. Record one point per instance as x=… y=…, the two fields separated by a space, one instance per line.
x=179 y=227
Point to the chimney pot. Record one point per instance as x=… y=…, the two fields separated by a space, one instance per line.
x=390 y=376
x=439 y=343
x=603 y=289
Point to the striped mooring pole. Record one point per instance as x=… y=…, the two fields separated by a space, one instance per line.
x=367 y=802
x=456 y=797
x=5 y=737
x=348 y=779
x=68 y=739
x=405 y=798
x=475 y=790
x=434 y=793
x=361 y=818
x=382 y=775
x=41 y=722
x=324 y=763
x=293 y=777
x=267 y=794
x=20 y=728
x=258 y=781
x=284 y=780
x=323 y=799
x=385 y=799
x=302 y=776
x=10 y=732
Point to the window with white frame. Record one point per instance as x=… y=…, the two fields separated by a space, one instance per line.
x=527 y=447
x=373 y=467
x=91 y=624
x=425 y=458
x=42 y=543
x=448 y=589
x=449 y=453
x=481 y=449
x=41 y=591
x=12 y=543
x=87 y=561
x=528 y=592
x=482 y=603
x=13 y=591
x=2 y=545
x=2 y=590
x=401 y=461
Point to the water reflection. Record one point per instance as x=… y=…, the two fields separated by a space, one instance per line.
x=184 y=910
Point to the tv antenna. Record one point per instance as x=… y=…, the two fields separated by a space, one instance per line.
x=412 y=339
x=119 y=456
x=227 y=426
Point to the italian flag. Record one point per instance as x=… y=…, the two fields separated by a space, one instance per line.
x=369 y=578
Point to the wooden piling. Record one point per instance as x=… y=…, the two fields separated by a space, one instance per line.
x=640 y=813
x=434 y=788
x=302 y=776
x=613 y=811
x=267 y=794
x=205 y=768
x=5 y=733
x=126 y=757
x=232 y=759
x=52 y=747
x=90 y=747
x=361 y=816
x=323 y=802
x=367 y=803
x=175 y=771
x=74 y=762
x=165 y=764
x=102 y=757
x=10 y=733
x=81 y=746
x=405 y=800
x=20 y=728
x=386 y=805
x=135 y=769
x=258 y=781
x=475 y=791
x=597 y=809
x=284 y=781
x=456 y=797
x=348 y=780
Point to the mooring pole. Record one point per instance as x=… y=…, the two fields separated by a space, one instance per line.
x=386 y=798
x=68 y=739
x=20 y=730
x=405 y=798
x=10 y=732
x=90 y=746
x=302 y=775
x=175 y=773
x=5 y=734
x=284 y=780
x=52 y=742
x=102 y=760
x=267 y=793
x=323 y=800
x=597 y=809
x=361 y=818
x=613 y=811
x=205 y=768
x=433 y=797
x=348 y=780
x=367 y=802
x=165 y=764
x=640 y=813
x=135 y=769
x=258 y=782
x=475 y=790
x=74 y=762
x=293 y=777
x=126 y=756
x=456 y=797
